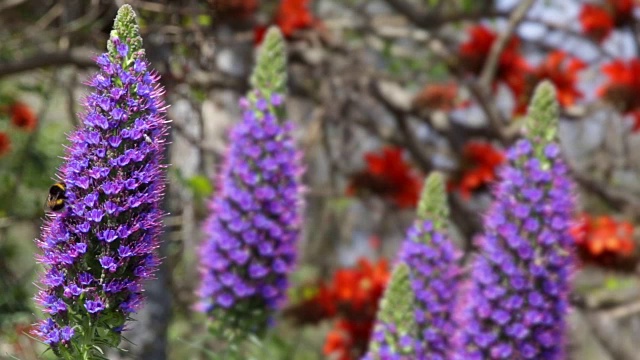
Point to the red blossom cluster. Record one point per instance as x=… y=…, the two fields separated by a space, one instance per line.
x=562 y=70
x=511 y=65
x=603 y=241
x=389 y=176
x=351 y=297
x=22 y=117
x=623 y=87
x=290 y=16
x=623 y=76
x=516 y=73
x=480 y=161
x=598 y=21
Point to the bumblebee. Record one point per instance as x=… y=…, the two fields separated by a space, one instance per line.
x=56 y=198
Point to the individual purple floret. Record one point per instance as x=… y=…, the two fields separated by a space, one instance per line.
x=255 y=220
x=434 y=275
x=516 y=303
x=100 y=247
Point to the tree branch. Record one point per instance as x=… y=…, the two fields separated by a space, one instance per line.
x=79 y=59
x=431 y=20
x=400 y=118
x=491 y=63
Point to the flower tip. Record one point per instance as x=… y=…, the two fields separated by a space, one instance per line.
x=542 y=121
x=433 y=200
x=273 y=34
x=125 y=28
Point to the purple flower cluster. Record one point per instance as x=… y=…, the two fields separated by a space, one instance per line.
x=100 y=247
x=255 y=220
x=391 y=345
x=434 y=276
x=515 y=305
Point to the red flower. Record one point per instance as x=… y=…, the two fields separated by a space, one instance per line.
x=356 y=291
x=512 y=67
x=353 y=296
x=436 y=96
x=604 y=241
x=258 y=34
x=479 y=163
x=474 y=51
x=338 y=344
x=22 y=116
x=291 y=16
x=596 y=22
x=562 y=70
x=347 y=340
x=623 y=87
x=5 y=144
x=389 y=176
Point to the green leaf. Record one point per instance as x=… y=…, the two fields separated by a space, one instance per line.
x=200 y=186
x=204 y=20
x=468 y=5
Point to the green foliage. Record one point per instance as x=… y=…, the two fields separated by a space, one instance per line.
x=14 y=299
x=204 y=20
x=433 y=201
x=200 y=186
x=125 y=27
x=270 y=73
x=25 y=170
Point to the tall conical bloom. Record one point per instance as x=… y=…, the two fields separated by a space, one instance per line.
x=516 y=303
x=424 y=313
x=394 y=334
x=255 y=220
x=433 y=261
x=255 y=217
x=100 y=247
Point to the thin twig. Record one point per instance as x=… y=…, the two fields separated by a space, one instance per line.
x=400 y=118
x=494 y=116
x=491 y=64
x=623 y=311
x=616 y=199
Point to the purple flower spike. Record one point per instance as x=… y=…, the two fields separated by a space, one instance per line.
x=254 y=223
x=434 y=279
x=516 y=302
x=105 y=235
